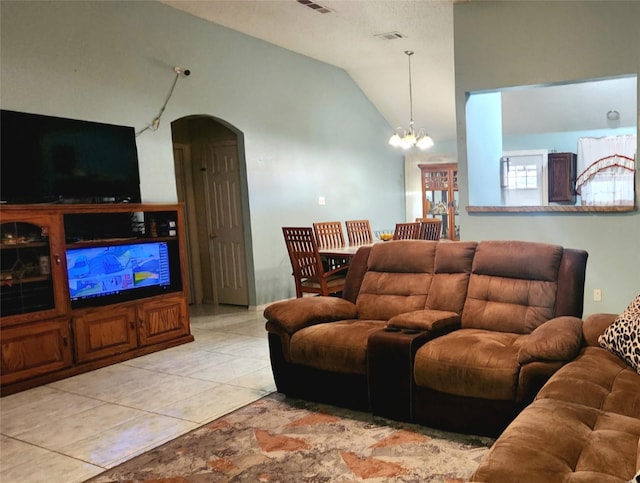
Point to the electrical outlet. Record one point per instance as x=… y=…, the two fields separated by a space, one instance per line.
x=322 y=201
x=597 y=295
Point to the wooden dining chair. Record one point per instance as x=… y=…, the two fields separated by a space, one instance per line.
x=329 y=234
x=359 y=232
x=407 y=231
x=308 y=272
x=430 y=228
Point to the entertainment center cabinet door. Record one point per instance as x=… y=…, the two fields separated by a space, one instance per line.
x=32 y=282
x=163 y=320
x=35 y=349
x=104 y=332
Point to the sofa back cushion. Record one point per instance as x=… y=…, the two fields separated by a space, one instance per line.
x=512 y=287
x=453 y=264
x=397 y=280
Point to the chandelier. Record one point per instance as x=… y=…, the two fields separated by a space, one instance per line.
x=407 y=138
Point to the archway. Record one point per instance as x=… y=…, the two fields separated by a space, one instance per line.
x=211 y=182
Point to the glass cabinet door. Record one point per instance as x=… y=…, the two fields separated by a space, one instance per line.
x=440 y=196
x=26 y=284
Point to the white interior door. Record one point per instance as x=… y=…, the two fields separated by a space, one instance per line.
x=226 y=234
x=524 y=178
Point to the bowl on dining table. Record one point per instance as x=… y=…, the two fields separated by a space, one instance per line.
x=384 y=235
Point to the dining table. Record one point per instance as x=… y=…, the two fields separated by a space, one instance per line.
x=340 y=256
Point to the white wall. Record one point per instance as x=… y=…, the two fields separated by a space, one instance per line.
x=501 y=44
x=309 y=131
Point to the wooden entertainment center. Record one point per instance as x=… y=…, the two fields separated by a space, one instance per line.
x=46 y=332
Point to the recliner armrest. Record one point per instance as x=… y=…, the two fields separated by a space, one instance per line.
x=558 y=339
x=595 y=325
x=296 y=314
x=431 y=320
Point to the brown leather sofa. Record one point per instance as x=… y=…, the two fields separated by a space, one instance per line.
x=584 y=425
x=521 y=300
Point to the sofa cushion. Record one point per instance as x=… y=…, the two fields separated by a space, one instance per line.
x=335 y=346
x=597 y=379
x=622 y=337
x=431 y=320
x=472 y=363
x=453 y=263
x=554 y=440
x=518 y=259
x=397 y=280
x=512 y=287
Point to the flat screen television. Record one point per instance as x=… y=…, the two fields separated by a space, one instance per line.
x=46 y=159
x=113 y=272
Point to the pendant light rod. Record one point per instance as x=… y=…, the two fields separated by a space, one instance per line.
x=409 y=54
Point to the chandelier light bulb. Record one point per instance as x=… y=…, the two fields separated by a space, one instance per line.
x=395 y=140
x=424 y=142
x=409 y=140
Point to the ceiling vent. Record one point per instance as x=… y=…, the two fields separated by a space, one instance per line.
x=314 y=6
x=390 y=36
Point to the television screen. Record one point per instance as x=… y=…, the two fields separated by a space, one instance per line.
x=45 y=159
x=99 y=275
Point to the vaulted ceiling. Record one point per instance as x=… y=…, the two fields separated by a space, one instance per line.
x=347 y=38
x=348 y=35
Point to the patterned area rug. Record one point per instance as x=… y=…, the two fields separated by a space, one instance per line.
x=277 y=439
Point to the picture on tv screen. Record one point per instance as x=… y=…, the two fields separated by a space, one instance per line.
x=109 y=270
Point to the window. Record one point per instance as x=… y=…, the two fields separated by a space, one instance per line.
x=520 y=177
x=606 y=169
x=523 y=180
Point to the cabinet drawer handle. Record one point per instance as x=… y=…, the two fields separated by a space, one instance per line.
x=57 y=259
x=132 y=324
x=65 y=341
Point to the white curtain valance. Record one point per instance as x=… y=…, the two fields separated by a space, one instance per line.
x=606 y=168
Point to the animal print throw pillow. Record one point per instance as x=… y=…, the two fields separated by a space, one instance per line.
x=622 y=337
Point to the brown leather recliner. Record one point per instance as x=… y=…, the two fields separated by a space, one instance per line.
x=520 y=323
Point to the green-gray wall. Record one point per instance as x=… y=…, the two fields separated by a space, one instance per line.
x=501 y=44
x=308 y=129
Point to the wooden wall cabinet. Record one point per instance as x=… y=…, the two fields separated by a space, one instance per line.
x=440 y=196
x=562 y=178
x=44 y=336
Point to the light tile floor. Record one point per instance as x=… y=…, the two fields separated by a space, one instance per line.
x=71 y=430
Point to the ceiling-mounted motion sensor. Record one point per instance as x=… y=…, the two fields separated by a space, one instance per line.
x=181 y=70
x=613 y=115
